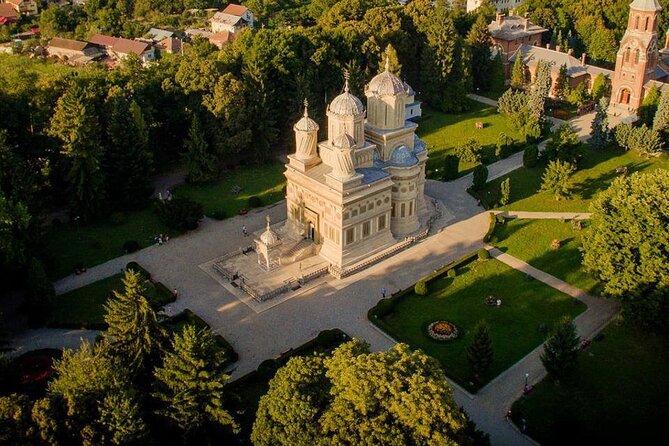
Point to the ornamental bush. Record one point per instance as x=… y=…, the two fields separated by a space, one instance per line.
x=452 y=273
x=420 y=288
x=480 y=177
x=254 y=202
x=530 y=156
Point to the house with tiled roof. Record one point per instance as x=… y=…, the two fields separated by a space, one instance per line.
x=119 y=48
x=508 y=33
x=233 y=19
x=8 y=14
x=170 y=45
x=24 y=7
x=221 y=38
x=74 y=52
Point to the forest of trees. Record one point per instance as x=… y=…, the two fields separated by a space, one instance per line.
x=90 y=139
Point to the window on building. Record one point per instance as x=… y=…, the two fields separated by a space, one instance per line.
x=366 y=228
x=647 y=23
x=354 y=213
x=382 y=222
x=402 y=210
x=627 y=54
x=637 y=56
x=392 y=210
x=636 y=22
x=363 y=209
x=410 y=208
x=350 y=236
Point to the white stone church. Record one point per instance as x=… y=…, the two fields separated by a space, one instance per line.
x=361 y=190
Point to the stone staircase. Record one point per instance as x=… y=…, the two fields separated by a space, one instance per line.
x=300 y=250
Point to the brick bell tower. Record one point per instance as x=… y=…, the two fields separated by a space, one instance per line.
x=638 y=55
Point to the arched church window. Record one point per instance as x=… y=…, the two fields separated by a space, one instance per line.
x=637 y=56
x=627 y=54
x=647 y=23
x=636 y=22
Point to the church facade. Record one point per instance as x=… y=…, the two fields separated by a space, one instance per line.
x=361 y=190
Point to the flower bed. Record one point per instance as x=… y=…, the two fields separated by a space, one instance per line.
x=442 y=331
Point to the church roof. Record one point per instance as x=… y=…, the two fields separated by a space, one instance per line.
x=306 y=124
x=346 y=104
x=533 y=54
x=344 y=141
x=646 y=5
x=386 y=83
x=513 y=28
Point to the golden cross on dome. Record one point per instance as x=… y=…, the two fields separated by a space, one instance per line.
x=306 y=106
x=347 y=76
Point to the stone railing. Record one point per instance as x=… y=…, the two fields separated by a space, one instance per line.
x=223 y=271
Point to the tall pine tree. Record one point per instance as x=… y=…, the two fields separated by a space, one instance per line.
x=561 y=349
x=601 y=134
x=518 y=78
x=134 y=332
x=190 y=382
x=478 y=39
x=661 y=120
x=128 y=162
x=202 y=165
x=480 y=353
x=75 y=124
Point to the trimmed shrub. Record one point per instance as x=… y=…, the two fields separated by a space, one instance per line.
x=180 y=213
x=329 y=338
x=483 y=254
x=384 y=308
x=530 y=156
x=420 y=288
x=451 y=165
x=138 y=269
x=452 y=273
x=164 y=295
x=491 y=226
x=267 y=369
x=254 y=202
x=480 y=177
x=130 y=246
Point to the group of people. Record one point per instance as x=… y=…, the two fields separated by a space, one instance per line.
x=161 y=238
x=166 y=197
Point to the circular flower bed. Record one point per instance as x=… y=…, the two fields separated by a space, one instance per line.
x=442 y=331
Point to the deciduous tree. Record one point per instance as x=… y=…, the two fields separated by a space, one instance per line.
x=557 y=179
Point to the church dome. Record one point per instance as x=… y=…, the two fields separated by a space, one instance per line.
x=386 y=83
x=306 y=124
x=403 y=156
x=344 y=141
x=346 y=104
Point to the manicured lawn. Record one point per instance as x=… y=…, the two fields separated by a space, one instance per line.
x=595 y=174
x=616 y=396
x=93 y=244
x=530 y=240
x=519 y=325
x=443 y=133
x=84 y=307
x=265 y=182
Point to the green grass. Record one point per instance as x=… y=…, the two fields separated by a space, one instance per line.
x=517 y=327
x=617 y=395
x=68 y=244
x=265 y=182
x=84 y=307
x=595 y=174
x=530 y=240
x=443 y=133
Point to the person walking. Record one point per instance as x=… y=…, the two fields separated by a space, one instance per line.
x=244 y=231
x=383 y=293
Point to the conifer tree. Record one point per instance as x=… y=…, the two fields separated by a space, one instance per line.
x=128 y=162
x=393 y=60
x=190 y=382
x=480 y=177
x=530 y=156
x=76 y=124
x=478 y=39
x=40 y=294
x=661 y=120
x=480 y=353
x=518 y=78
x=599 y=87
x=561 y=349
x=562 y=83
x=649 y=105
x=134 y=332
x=601 y=134
x=540 y=91
x=201 y=162
x=497 y=74
x=451 y=166
x=557 y=179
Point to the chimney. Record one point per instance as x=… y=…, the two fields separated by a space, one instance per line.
x=499 y=18
x=570 y=51
x=526 y=23
x=583 y=59
x=558 y=48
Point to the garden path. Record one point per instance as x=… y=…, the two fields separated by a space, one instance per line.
x=546 y=215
